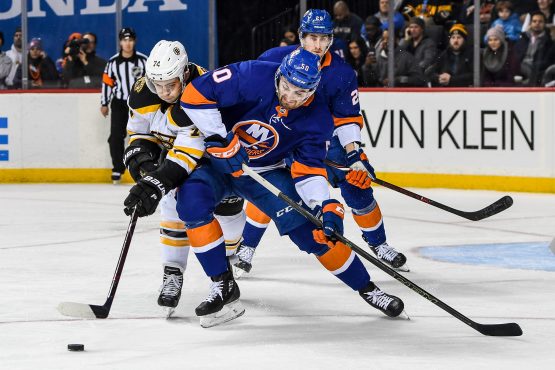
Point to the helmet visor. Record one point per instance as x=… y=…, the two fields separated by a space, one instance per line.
x=168 y=90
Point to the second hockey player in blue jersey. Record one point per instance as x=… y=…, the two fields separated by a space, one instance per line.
x=264 y=113
x=340 y=91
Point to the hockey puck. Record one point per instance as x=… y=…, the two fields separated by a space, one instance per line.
x=76 y=347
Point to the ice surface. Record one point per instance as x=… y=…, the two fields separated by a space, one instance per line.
x=61 y=243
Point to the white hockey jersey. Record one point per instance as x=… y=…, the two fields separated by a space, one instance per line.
x=167 y=125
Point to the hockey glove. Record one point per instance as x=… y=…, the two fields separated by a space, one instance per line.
x=226 y=154
x=362 y=172
x=141 y=159
x=332 y=222
x=145 y=195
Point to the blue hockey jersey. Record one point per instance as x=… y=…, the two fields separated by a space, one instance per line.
x=338 y=85
x=245 y=95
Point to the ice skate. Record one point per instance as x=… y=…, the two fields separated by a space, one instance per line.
x=242 y=264
x=116 y=178
x=170 y=291
x=222 y=304
x=391 y=257
x=389 y=304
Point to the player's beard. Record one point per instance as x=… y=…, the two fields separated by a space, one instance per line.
x=288 y=105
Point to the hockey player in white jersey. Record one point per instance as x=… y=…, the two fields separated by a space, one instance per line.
x=162 y=139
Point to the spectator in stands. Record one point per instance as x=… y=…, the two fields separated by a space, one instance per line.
x=5 y=64
x=406 y=72
x=383 y=13
x=356 y=57
x=372 y=32
x=83 y=68
x=547 y=7
x=533 y=50
x=290 y=34
x=15 y=55
x=42 y=70
x=464 y=12
x=499 y=62
x=416 y=42
x=548 y=79
x=524 y=7
x=433 y=11
x=347 y=25
x=454 y=66
x=507 y=19
x=285 y=42
x=289 y=37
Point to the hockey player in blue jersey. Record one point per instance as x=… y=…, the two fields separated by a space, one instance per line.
x=263 y=113
x=340 y=90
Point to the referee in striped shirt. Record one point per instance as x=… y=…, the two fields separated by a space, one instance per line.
x=121 y=72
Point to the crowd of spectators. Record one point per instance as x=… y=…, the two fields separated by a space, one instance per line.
x=433 y=46
x=78 y=66
x=434 y=43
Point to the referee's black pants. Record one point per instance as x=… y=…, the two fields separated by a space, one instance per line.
x=118 y=125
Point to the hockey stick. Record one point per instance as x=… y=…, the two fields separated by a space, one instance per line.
x=509 y=329
x=91 y=311
x=496 y=207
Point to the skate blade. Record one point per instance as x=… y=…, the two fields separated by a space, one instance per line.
x=169 y=312
x=404 y=315
x=227 y=313
x=238 y=272
x=403 y=268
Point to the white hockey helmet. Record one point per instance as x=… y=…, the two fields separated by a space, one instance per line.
x=167 y=60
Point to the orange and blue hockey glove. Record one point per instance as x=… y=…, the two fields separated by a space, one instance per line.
x=362 y=172
x=332 y=212
x=226 y=154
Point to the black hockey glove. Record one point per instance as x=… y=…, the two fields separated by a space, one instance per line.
x=140 y=158
x=149 y=190
x=145 y=195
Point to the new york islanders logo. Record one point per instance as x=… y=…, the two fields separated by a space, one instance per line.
x=258 y=138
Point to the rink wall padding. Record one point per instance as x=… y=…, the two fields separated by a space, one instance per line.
x=462 y=138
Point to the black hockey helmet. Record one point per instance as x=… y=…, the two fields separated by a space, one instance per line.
x=127 y=32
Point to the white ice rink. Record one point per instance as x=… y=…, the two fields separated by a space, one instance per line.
x=61 y=243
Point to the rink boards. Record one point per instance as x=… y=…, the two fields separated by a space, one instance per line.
x=475 y=139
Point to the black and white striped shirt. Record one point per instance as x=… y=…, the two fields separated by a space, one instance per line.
x=119 y=76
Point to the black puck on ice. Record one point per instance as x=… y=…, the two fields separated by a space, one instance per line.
x=75 y=347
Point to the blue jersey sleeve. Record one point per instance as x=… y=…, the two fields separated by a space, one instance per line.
x=230 y=85
x=276 y=55
x=342 y=89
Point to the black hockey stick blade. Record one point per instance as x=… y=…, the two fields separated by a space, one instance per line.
x=493 y=209
x=496 y=207
x=84 y=311
x=499 y=330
